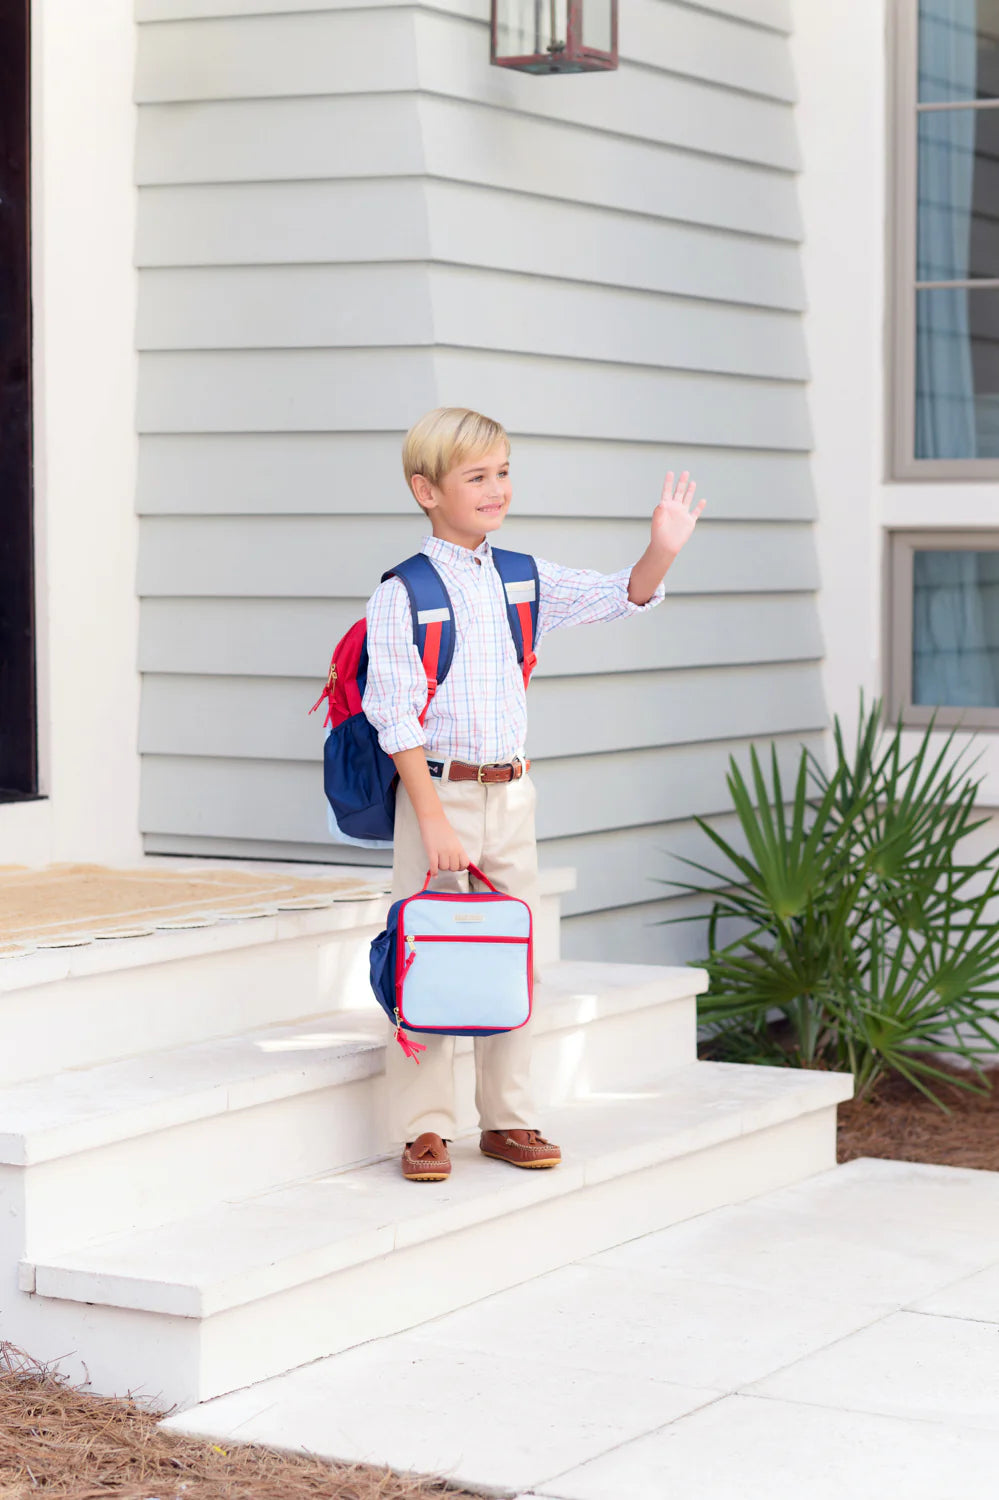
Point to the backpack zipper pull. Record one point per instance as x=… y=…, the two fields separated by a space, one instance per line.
x=327 y=691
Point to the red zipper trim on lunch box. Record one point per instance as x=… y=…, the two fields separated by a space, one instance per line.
x=459 y=937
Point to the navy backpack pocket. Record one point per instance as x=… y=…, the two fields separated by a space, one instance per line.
x=359 y=779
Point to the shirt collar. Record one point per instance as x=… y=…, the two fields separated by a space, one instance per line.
x=438 y=550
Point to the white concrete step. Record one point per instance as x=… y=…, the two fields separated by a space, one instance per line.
x=115 y=998
x=261 y=1285
x=143 y=1140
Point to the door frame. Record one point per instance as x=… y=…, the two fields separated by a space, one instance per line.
x=18 y=649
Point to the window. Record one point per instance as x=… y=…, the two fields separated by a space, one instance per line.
x=945 y=262
x=943 y=619
x=18 y=759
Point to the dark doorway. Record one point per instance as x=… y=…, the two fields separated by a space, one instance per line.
x=18 y=725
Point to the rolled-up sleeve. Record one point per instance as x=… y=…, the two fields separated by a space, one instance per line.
x=581 y=596
x=396 y=690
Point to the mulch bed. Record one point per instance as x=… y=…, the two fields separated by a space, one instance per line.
x=59 y=1441
x=898 y=1122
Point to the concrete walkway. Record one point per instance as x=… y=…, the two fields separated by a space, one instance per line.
x=837 y=1339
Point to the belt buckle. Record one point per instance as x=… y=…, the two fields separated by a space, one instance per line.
x=480 y=778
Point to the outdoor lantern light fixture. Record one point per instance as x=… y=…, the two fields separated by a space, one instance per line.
x=555 y=36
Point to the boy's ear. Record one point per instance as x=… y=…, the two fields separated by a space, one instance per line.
x=423 y=491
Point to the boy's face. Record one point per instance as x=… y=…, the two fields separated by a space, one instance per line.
x=471 y=499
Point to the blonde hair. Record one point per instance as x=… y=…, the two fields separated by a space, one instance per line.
x=442 y=438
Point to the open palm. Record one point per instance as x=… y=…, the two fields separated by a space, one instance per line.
x=675 y=517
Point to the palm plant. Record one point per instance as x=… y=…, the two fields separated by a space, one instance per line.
x=854 y=932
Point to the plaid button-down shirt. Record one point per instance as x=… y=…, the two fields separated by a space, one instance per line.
x=479 y=713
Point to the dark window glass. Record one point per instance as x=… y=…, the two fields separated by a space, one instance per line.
x=958 y=50
x=958 y=220
x=18 y=772
x=957 y=373
x=955 y=629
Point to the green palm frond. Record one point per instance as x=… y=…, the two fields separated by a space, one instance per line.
x=849 y=928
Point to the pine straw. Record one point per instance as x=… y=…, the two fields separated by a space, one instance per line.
x=57 y=1440
x=899 y=1123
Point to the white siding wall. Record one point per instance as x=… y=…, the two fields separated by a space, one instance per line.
x=346 y=217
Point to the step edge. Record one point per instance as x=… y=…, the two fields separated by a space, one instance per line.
x=36 y=970
x=31 y=1148
x=820 y=1091
x=39 y=967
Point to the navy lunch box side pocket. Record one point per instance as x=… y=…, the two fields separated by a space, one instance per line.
x=382 y=962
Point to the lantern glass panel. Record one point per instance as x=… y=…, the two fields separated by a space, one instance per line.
x=531 y=27
x=597 y=27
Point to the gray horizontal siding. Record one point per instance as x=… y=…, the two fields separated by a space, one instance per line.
x=578 y=796
x=399 y=135
x=276 y=637
x=632 y=866
x=644 y=934
x=774 y=15
x=394 y=50
x=317 y=307
x=681 y=38
x=309 y=557
x=339 y=473
x=579 y=715
x=309 y=390
x=346 y=217
x=400 y=219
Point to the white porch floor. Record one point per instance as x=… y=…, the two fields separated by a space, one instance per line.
x=837 y=1338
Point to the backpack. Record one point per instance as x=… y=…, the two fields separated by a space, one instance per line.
x=358 y=776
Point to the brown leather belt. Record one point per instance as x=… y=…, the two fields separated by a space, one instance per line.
x=462 y=770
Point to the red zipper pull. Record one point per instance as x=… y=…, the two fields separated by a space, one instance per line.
x=327 y=694
x=408 y=1046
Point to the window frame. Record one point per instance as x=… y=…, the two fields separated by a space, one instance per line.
x=898 y=626
x=903 y=158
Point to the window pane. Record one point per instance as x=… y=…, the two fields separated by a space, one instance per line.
x=958 y=50
x=597 y=24
x=955 y=629
x=524 y=27
x=958 y=197
x=957 y=374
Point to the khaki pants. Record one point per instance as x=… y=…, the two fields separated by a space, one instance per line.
x=496 y=826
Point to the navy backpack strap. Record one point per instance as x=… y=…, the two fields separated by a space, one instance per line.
x=433 y=618
x=519 y=574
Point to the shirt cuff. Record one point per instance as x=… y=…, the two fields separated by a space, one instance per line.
x=637 y=609
x=407 y=734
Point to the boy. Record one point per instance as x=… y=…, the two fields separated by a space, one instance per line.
x=464 y=793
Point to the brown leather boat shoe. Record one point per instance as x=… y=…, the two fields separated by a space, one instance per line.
x=521 y=1148
x=426 y=1159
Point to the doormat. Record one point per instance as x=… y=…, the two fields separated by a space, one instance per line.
x=70 y=905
